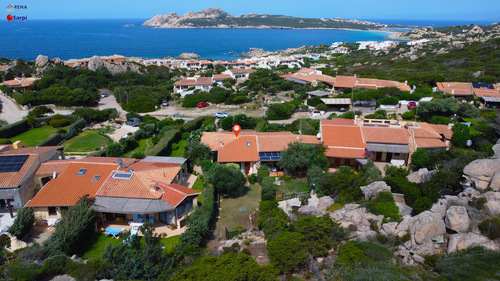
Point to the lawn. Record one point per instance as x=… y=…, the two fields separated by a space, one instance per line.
x=180 y=149
x=96 y=246
x=87 y=141
x=198 y=185
x=232 y=215
x=293 y=186
x=144 y=144
x=34 y=136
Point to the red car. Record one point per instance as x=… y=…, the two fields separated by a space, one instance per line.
x=202 y=104
x=412 y=104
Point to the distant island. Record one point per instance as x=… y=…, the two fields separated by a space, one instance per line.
x=217 y=18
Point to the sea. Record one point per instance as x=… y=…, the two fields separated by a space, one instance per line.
x=67 y=39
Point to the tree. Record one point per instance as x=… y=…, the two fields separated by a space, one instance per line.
x=314 y=175
x=288 y=252
x=196 y=152
x=371 y=173
x=74 y=228
x=227 y=180
x=40 y=111
x=227 y=123
x=114 y=150
x=317 y=232
x=460 y=135
x=299 y=156
x=468 y=110
x=23 y=223
x=384 y=205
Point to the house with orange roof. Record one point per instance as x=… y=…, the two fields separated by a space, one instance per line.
x=20 y=84
x=219 y=78
x=198 y=83
x=252 y=149
x=124 y=190
x=17 y=170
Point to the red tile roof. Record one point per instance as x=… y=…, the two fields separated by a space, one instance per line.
x=174 y=194
x=68 y=187
x=241 y=71
x=135 y=187
x=455 y=88
x=353 y=153
x=243 y=149
x=442 y=130
x=430 y=143
x=385 y=135
x=221 y=77
x=341 y=133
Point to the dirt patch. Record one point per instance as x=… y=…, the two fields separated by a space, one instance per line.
x=259 y=253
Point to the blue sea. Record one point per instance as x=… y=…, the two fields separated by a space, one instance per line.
x=69 y=39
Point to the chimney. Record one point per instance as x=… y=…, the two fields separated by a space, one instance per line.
x=355 y=76
x=54 y=174
x=406 y=82
x=18 y=144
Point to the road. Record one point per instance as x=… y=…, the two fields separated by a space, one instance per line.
x=110 y=102
x=11 y=111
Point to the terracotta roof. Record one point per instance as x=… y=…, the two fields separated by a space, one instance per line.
x=221 y=77
x=343 y=136
x=204 y=81
x=68 y=187
x=153 y=172
x=338 y=122
x=30 y=150
x=353 y=153
x=425 y=131
x=14 y=179
x=307 y=70
x=50 y=167
x=174 y=194
x=135 y=187
x=430 y=143
x=487 y=93
x=385 y=135
x=272 y=143
x=186 y=82
x=242 y=71
x=442 y=130
x=243 y=149
x=455 y=88
x=4 y=67
x=345 y=82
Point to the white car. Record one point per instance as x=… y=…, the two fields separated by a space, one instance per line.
x=165 y=103
x=104 y=95
x=221 y=114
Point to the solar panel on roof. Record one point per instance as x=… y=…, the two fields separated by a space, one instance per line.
x=12 y=163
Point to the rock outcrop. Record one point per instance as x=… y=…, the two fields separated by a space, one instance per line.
x=463 y=241
x=373 y=189
x=173 y=20
x=42 y=63
x=481 y=172
x=96 y=62
x=421 y=176
x=188 y=56
x=358 y=220
x=457 y=219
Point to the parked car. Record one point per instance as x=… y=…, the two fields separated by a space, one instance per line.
x=104 y=95
x=134 y=122
x=164 y=103
x=221 y=114
x=412 y=104
x=202 y=104
x=343 y=109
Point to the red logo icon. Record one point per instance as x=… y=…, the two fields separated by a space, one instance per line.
x=10 y=17
x=236 y=130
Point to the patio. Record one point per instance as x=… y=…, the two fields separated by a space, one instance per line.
x=160 y=228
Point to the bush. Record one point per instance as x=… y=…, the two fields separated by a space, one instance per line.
x=384 y=205
x=54 y=139
x=251 y=178
x=23 y=223
x=5 y=141
x=287 y=252
x=227 y=123
x=114 y=150
x=475 y=263
x=409 y=115
x=74 y=129
x=227 y=180
x=206 y=165
x=460 y=135
x=262 y=173
x=59 y=120
x=321 y=107
x=14 y=129
x=138 y=155
x=410 y=190
x=26 y=271
x=490 y=227
x=55 y=265
x=280 y=111
x=422 y=204
x=164 y=146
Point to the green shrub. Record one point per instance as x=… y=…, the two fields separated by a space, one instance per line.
x=26 y=271
x=409 y=115
x=138 y=155
x=440 y=120
x=422 y=204
x=287 y=252
x=490 y=227
x=227 y=123
x=334 y=207
x=410 y=190
x=54 y=139
x=349 y=254
x=164 y=146
x=262 y=173
x=235 y=231
x=206 y=165
x=91 y=270
x=55 y=265
x=281 y=111
x=321 y=107
x=461 y=134
x=114 y=150
x=5 y=141
x=475 y=263
x=23 y=223
x=384 y=205
x=227 y=180
x=478 y=202
x=14 y=129
x=58 y=121
x=251 y=178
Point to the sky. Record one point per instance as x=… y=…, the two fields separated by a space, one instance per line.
x=349 y=9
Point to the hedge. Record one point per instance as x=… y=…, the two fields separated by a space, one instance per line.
x=54 y=139
x=73 y=129
x=164 y=146
x=194 y=125
x=14 y=129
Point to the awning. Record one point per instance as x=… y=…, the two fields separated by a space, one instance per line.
x=131 y=205
x=393 y=148
x=7 y=193
x=338 y=101
x=491 y=99
x=363 y=161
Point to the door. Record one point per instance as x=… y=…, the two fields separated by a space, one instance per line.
x=247 y=168
x=389 y=156
x=378 y=156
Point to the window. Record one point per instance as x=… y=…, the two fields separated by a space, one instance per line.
x=189 y=206
x=181 y=210
x=81 y=172
x=396 y=154
x=52 y=211
x=122 y=176
x=96 y=178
